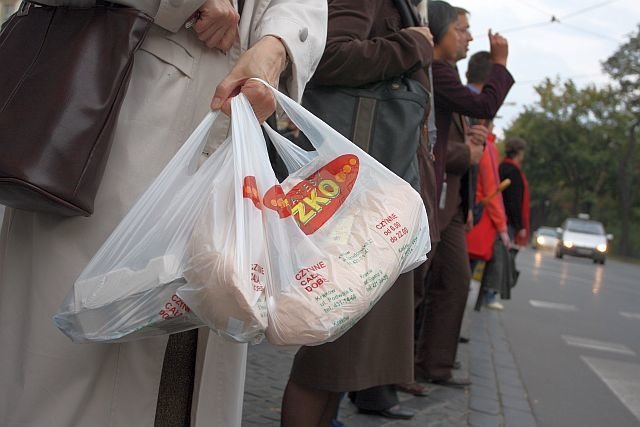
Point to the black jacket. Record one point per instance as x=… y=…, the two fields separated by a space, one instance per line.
x=512 y=195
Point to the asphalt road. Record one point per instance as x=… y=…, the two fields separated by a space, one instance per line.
x=574 y=329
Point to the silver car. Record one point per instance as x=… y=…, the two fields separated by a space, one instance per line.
x=545 y=238
x=583 y=238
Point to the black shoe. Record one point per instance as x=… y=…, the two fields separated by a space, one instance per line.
x=396 y=412
x=457 y=365
x=463 y=340
x=451 y=382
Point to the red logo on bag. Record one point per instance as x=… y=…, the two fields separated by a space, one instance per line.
x=313 y=201
x=276 y=200
x=250 y=190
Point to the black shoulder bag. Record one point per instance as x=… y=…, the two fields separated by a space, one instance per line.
x=383 y=118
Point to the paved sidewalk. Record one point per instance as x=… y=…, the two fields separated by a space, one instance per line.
x=497 y=397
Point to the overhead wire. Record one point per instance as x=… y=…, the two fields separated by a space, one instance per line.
x=591 y=33
x=588 y=9
x=535 y=7
x=553 y=19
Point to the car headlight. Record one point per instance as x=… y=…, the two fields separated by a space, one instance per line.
x=568 y=244
x=540 y=240
x=602 y=247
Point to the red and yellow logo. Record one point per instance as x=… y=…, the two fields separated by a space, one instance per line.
x=250 y=190
x=314 y=200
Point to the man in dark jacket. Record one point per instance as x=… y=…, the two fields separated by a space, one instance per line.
x=458 y=146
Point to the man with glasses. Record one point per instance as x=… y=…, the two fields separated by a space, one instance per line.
x=458 y=146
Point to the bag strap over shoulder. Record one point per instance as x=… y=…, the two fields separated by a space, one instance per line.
x=408 y=13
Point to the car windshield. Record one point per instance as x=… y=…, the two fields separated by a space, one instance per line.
x=588 y=227
x=548 y=232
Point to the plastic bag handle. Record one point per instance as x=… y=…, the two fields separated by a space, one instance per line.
x=315 y=129
x=293 y=156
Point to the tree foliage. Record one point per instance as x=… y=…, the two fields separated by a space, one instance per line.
x=582 y=154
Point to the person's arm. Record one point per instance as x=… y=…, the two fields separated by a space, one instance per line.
x=351 y=59
x=287 y=29
x=487 y=179
x=458 y=158
x=301 y=26
x=172 y=14
x=452 y=95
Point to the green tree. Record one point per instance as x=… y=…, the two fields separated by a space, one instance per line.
x=583 y=153
x=624 y=68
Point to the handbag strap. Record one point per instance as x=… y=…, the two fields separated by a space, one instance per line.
x=408 y=14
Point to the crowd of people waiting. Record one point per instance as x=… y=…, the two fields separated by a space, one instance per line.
x=196 y=49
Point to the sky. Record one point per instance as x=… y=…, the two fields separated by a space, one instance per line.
x=573 y=48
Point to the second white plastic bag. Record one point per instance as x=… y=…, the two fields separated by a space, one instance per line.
x=189 y=253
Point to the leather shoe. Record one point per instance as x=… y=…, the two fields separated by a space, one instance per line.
x=463 y=340
x=413 y=388
x=451 y=382
x=396 y=412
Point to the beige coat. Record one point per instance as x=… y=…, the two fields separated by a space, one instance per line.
x=45 y=380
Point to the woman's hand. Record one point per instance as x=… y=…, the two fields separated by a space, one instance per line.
x=265 y=60
x=478 y=134
x=506 y=241
x=217 y=24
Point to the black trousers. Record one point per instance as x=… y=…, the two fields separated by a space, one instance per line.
x=177 y=381
x=445 y=301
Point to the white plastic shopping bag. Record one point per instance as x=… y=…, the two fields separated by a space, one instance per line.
x=191 y=227
x=226 y=246
x=339 y=231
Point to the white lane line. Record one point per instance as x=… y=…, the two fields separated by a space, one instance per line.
x=622 y=378
x=629 y=315
x=597 y=345
x=552 y=305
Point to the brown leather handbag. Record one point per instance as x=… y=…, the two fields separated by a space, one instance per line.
x=64 y=74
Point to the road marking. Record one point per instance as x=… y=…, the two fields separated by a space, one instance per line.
x=622 y=378
x=552 y=305
x=629 y=315
x=597 y=345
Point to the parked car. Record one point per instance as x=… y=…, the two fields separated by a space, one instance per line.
x=545 y=238
x=583 y=238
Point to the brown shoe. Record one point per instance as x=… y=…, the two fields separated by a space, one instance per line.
x=414 y=389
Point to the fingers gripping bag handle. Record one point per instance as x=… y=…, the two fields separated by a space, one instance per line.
x=230 y=271
x=347 y=229
x=128 y=289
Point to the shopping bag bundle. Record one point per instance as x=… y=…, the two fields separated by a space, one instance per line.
x=227 y=246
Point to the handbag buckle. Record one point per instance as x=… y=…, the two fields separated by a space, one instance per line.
x=24 y=8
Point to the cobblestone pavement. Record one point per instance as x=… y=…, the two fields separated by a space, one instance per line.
x=496 y=398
